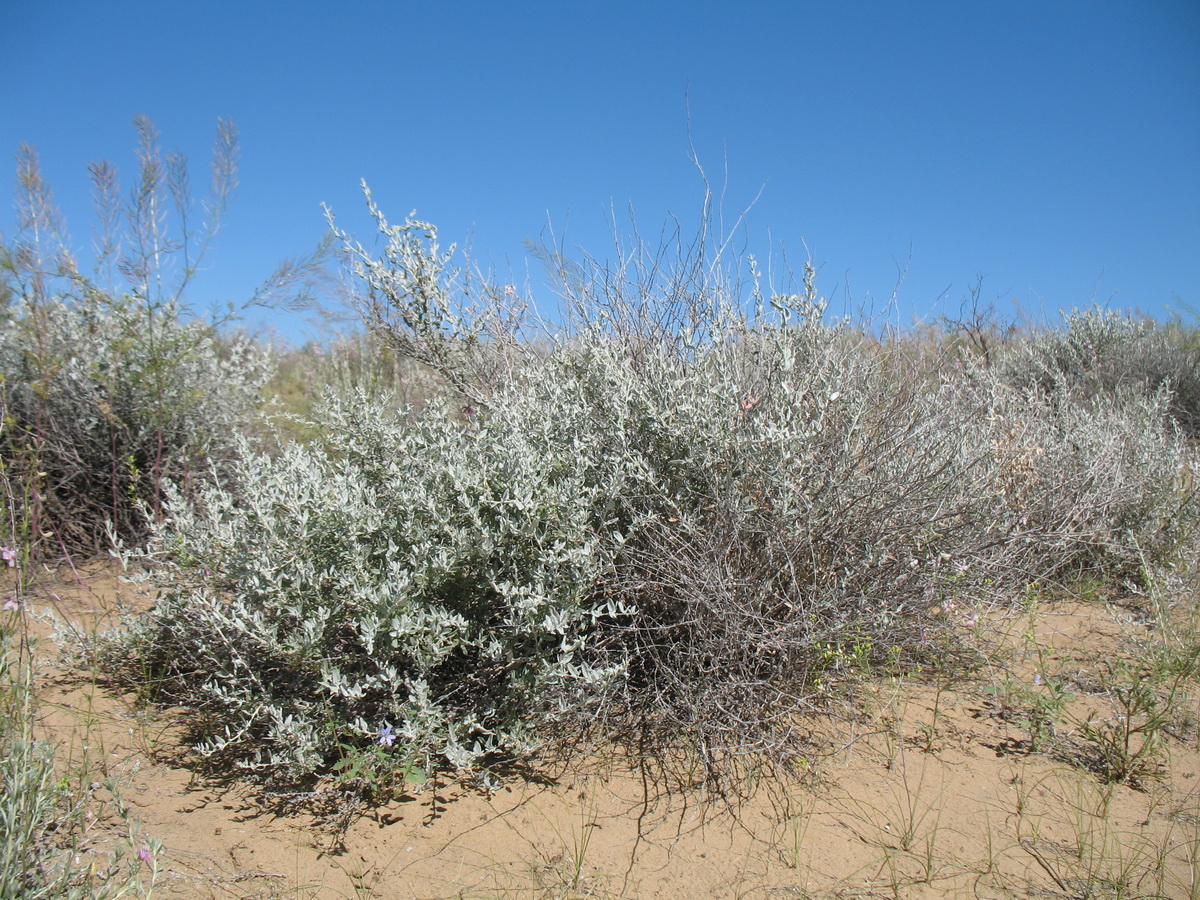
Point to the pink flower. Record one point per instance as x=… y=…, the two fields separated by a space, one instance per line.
x=9 y=555
x=144 y=854
x=11 y=604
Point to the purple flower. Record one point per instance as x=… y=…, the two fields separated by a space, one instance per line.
x=386 y=736
x=144 y=854
x=1037 y=678
x=11 y=604
x=9 y=555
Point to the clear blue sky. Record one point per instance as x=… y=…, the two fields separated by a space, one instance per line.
x=1051 y=147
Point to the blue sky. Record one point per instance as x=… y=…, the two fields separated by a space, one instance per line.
x=1052 y=148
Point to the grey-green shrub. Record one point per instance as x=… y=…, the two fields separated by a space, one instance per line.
x=1094 y=486
x=109 y=386
x=1100 y=351
x=670 y=523
x=108 y=399
x=438 y=579
x=618 y=539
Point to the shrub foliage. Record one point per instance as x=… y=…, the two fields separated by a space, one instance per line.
x=670 y=520
x=107 y=401
x=109 y=388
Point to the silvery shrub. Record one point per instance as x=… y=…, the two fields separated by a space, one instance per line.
x=1099 y=351
x=670 y=520
x=108 y=400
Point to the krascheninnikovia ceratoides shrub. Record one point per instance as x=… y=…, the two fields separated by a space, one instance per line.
x=616 y=537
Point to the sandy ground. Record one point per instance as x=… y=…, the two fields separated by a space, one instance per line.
x=926 y=792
